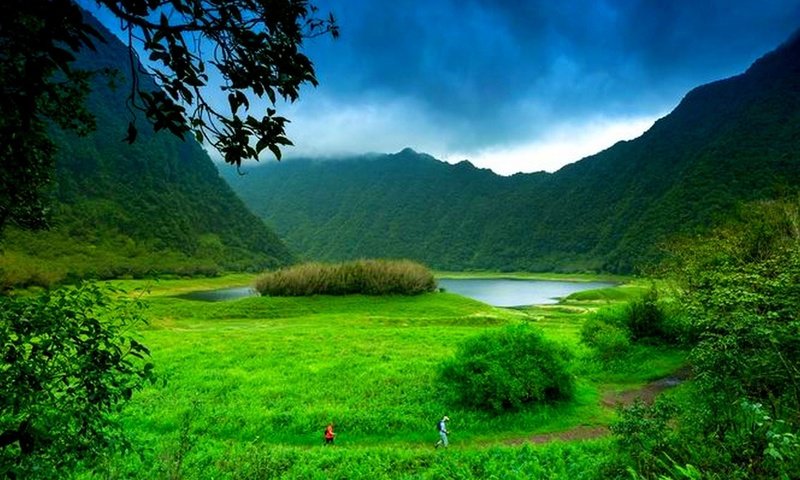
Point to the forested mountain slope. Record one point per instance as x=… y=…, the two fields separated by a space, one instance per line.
x=157 y=206
x=726 y=143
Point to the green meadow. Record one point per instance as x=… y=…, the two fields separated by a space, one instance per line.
x=247 y=386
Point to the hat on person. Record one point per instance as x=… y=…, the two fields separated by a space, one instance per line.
x=446 y=418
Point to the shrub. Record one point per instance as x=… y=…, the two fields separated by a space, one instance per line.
x=645 y=319
x=610 y=331
x=369 y=277
x=609 y=339
x=507 y=369
x=70 y=363
x=643 y=432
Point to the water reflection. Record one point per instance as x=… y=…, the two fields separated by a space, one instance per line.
x=505 y=292
x=221 y=294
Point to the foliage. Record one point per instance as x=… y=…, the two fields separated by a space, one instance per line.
x=256 y=51
x=604 y=332
x=369 y=277
x=252 y=47
x=644 y=433
x=35 y=40
x=508 y=369
x=155 y=207
x=610 y=331
x=728 y=142
x=70 y=362
x=646 y=319
x=739 y=288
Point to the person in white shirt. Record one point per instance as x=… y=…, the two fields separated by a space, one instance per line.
x=443 y=431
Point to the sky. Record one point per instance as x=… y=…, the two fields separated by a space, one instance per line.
x=518 y=85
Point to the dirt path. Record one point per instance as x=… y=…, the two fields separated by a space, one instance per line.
x=646 y=393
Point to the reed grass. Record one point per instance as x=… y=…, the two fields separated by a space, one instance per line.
x=368 y=277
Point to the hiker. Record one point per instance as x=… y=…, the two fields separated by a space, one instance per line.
x=329 y=434
x=443 y=431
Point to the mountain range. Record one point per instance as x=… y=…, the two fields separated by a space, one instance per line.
x=727 y=143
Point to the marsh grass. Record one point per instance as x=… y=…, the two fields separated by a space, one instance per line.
x=369 y=277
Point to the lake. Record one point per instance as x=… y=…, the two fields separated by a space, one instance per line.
x=506 y=292
x=500 y=292
x=221 y=294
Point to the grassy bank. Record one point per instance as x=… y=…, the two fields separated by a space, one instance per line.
x=251 y=383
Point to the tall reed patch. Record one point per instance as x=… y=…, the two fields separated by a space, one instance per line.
x=369 y=277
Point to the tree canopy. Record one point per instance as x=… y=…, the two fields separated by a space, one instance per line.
x=243 y=48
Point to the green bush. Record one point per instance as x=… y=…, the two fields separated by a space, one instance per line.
x=642 y=432
x=70 y=363
x=645 y=318
x=369 y=277
x=506 y=369
x=610 y=331
x=609 y=339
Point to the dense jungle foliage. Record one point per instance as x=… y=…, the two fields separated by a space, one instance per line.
x=738 y=417
x=70 y=361
x=728 y=142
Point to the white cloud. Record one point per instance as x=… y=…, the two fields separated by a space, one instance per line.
x=322 y=127
x=556 y=147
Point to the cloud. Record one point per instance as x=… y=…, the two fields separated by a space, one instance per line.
x=384 y=125
x=323 y=127
x=464 y=76
x=563 y=144
x=517 y=85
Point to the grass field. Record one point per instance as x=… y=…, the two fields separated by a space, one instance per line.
x=257 y=379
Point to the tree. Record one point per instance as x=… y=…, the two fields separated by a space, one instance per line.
x=249 y=47
x=741 y=416
x=69 y=362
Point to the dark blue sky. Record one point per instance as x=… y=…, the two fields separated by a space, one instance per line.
x=519 y=85
x=513 y=84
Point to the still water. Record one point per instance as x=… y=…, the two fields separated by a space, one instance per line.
x=221 y=294
x=500 y=292
x=504 y=292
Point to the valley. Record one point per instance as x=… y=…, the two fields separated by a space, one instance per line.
x=269 y=372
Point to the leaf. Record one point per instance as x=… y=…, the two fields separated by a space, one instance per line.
x=262 y=143
x=275 y=150
x=132 y=133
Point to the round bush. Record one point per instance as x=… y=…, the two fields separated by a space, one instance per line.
x=507 y=369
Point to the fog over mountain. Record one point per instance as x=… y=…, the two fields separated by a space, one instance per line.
x=516 y=85
x=728 y=142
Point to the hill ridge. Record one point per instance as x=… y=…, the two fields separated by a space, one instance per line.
x=726 y=143
x=156 y=206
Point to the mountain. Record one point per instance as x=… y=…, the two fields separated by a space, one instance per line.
x=725 y=144
x=157 y=206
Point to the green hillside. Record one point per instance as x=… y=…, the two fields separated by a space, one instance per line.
x=157 y=206
x=727 y=143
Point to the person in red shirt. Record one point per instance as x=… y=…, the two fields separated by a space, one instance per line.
x=329 y=435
